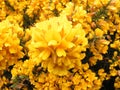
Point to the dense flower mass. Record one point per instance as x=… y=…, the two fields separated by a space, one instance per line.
x=59 y=44
x=10 y=49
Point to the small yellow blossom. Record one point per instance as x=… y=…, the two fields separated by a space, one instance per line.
x=76 y=79
x=117 y=83
x=113 y=72
x=79 y=14
x=115 y=44
x=69 y=9
x=85 y=66
x=98 y=32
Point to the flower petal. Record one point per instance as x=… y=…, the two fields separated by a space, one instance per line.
x=52 y=43
x=44 y=54
x=60 y=52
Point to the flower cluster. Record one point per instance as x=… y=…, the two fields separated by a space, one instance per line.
x=59 y=44
x=10 y=49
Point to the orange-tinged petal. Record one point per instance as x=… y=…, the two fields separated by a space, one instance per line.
x=105 y=42
x=12 y=50
x=1 y=57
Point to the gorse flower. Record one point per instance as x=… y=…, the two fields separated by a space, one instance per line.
x=57 y=45
x=10 y=49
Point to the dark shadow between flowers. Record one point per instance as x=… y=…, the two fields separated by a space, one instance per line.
x=108 y=84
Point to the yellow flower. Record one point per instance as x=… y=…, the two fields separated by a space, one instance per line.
x=10 y=49
x=104 y=25
x=57 y=69
x=115 y=44
x=79 y=14
x=17 y=69
x=118 y=72
x=98 y=32
x=69 y=9
x=85 y=66
x=102 y=74
x=98 y=82
x=65 y=86
x=3 y=81
x=100 y=3
x=58 y=43
x=113 y=72
x=76 y=79
x=117 y=83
